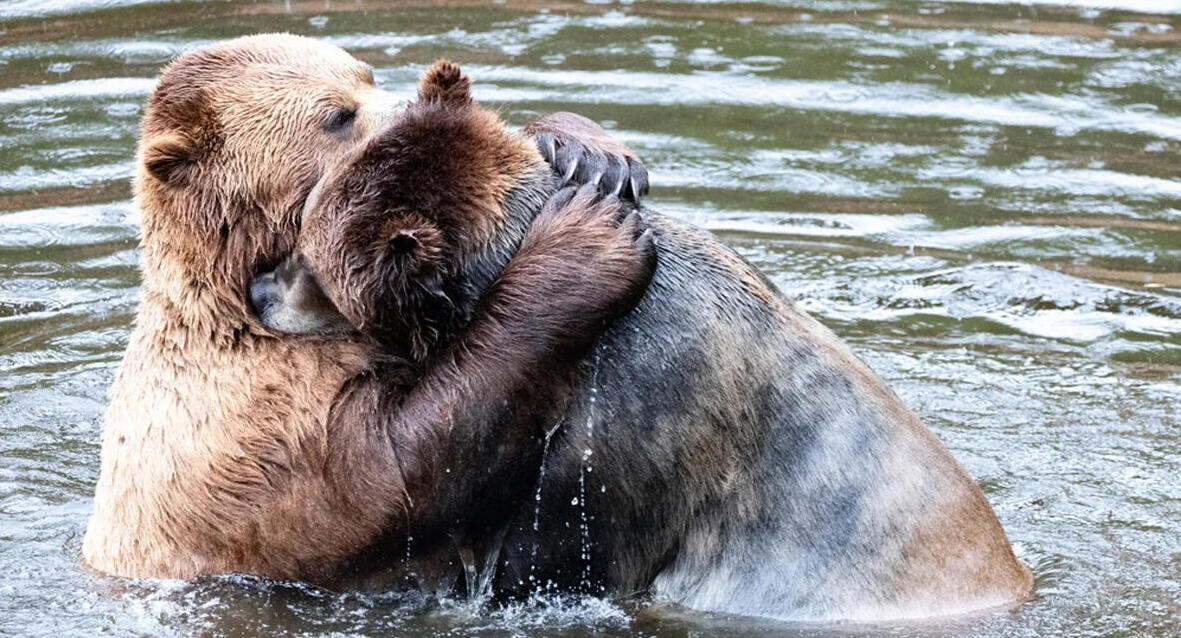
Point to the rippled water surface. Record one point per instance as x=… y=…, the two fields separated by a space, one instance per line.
x=984 y=199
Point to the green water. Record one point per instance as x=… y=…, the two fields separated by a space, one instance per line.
x=984 y=200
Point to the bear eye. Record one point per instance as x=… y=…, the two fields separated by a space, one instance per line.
x=341 y=119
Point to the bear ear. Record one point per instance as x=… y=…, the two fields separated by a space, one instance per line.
x=169 y=159
x=445 y=82
x=404 y=242
x=401 y=238
x=409 y=235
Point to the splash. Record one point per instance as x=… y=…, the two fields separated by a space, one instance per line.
x=470 y=577
x=491 y=558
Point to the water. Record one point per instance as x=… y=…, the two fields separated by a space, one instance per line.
x=984 y=200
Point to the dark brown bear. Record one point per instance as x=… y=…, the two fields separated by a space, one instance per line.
x=719 y=448
x=399 y=236
x=400 y=231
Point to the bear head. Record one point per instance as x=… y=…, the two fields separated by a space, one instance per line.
x=407 y=232
x=234 y=137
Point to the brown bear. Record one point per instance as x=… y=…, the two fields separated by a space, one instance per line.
x=719 y=448
x=408 y=233
x=413 y=225
x=221 y=448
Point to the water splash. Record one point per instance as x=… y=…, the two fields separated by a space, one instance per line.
x=547 y=613
x=488 y=572
x=470 y=576
x=478 y=577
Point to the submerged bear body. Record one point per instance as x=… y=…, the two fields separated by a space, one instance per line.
x=717 y=448
x=726 y=452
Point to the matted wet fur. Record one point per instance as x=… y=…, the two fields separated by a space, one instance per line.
x=720 y=448
x=228 y=449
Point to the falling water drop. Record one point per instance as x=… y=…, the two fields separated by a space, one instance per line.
x=537 y=502
x=409 y=574
x=584 y=468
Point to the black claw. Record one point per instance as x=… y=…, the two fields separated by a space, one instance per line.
x=591 y=168
x=566 y=160
x=614 y=176
x=623 y=181
x=639 y=180
x=633 y=220
x=568 y=174
x=547 y=146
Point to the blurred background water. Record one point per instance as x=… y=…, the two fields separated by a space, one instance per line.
x=984 y=199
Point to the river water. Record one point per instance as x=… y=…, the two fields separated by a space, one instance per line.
x=983 y=199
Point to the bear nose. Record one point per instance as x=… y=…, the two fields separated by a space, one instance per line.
x=262 y=292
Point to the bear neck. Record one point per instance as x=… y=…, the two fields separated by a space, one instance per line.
x=521 y=206
x=195 y=279
x=184 y=304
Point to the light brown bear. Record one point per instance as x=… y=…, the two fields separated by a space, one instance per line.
x=719 y=449
x=221 y=452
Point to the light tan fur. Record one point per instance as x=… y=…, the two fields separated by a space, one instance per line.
x=208 y=413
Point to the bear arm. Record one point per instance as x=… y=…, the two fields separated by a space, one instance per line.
x=582 y=152
x=461 y=437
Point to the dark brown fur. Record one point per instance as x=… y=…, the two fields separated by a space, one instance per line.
x=393 y=235
x=391 y=242
x=744 y=461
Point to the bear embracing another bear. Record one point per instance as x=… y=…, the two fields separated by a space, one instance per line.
x=226 y=449
x=720 y=448
x=715 y=446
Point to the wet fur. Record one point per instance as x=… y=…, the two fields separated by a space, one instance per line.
x=229 y=449
x=391 y=231
x=426 y=272
x=215 y=440
x=751 y=464
x=742 y=460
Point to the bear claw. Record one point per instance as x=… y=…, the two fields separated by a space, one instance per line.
x=577 y=164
